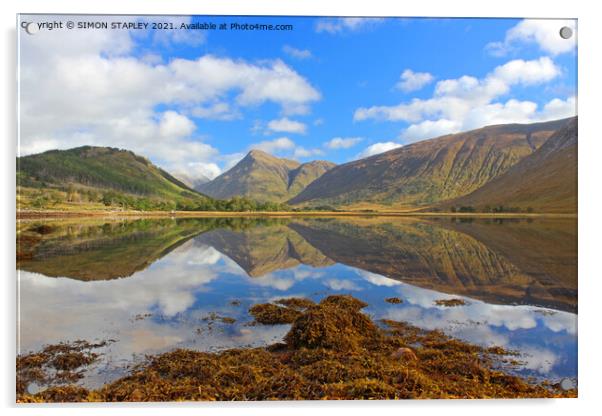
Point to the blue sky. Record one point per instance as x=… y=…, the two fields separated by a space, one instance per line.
x=195 y=102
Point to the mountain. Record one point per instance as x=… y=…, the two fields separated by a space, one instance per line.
x=545 y=181
x=190 y=181
x=429 y=171
x=114 y=173
x=264 y=177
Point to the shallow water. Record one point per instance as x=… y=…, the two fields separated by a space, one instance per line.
x=156 y=285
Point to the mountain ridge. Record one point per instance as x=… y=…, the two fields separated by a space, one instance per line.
x=425 y=172
x=265 y=177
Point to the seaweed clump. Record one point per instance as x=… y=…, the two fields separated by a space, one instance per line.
x=296 y=303
x=214 y=317
x=336 y=323
x=332 y=351
x=270 y=314
x=450 y=302
x=56 y=365
x=58 y=394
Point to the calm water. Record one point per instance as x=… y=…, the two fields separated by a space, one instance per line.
x=153 y=285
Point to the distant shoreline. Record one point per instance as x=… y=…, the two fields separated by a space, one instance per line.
x=213 y=214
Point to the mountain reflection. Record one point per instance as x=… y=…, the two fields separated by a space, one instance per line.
x=510 y=262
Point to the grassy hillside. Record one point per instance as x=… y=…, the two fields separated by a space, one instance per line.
x=545 y=181
x=263 y=177
x=98 y=176
x=425 y=172
x=305 y=174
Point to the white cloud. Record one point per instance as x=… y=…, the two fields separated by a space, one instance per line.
x=285 y=147
x=297 y=53
x=175 y=125
x=427 y=129
x=274 y=146
x=557 y=108
x=545 y=33
x=499 y=81
x=216 y=111
x=273 y=280
x=454 y=98
x=209 y=170
x=377 y=148
x=523 y=72
x=346 y=24
x=301 y=152
x=274 y=81
x=541 y=360
x=286 y=125
x=342 y=142
x=88 y=90
x=377 y=279
x=512 y=111
x=169 y=37
x=340 y=284
x=152 y=59
x=480 y=319
x=467 y=102
x=413 y=81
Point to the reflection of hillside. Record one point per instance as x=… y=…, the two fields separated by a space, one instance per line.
x=546 y=250
x=102 y=250
x=513 y=262
x=261 y=250
x=445 y=260
x=99 y=250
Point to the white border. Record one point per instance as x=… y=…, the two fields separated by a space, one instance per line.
x=590 y=161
